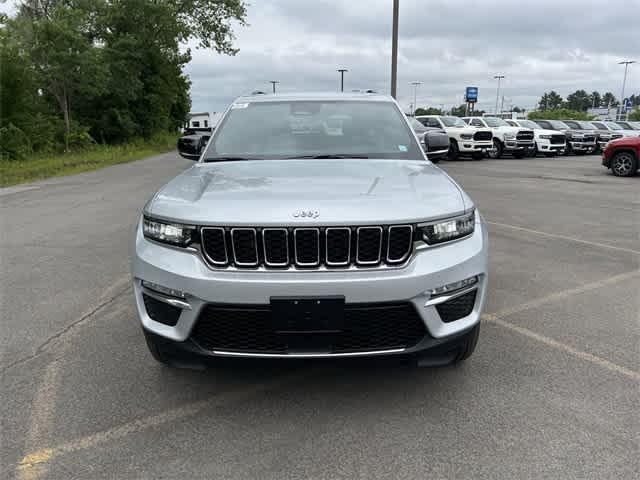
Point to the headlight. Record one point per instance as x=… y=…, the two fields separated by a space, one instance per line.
x=172 y=233
x=466 y=136
x=545 y=137
x=451 y=229
x=509 y=136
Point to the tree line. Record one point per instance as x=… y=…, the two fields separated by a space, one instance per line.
x=77 y=72
x=581 y=101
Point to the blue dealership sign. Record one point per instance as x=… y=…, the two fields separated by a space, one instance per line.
x=471 y=94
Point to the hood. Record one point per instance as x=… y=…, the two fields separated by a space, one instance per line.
x=270 y=192
x=544 y=131
x=469 y=129
x=513 y=130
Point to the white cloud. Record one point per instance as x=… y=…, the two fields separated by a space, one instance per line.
x=448 y=44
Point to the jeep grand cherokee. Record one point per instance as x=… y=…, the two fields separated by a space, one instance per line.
x=311 y=226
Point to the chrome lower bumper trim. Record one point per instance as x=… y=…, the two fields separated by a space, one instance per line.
x=306 y=355
x=166 y=299
x=445 y=298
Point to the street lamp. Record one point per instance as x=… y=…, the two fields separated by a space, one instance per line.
x=626 y=64
x=394 y=48
x=499 y=77
x=415 y=91
x=342 y=70
x=273 y=84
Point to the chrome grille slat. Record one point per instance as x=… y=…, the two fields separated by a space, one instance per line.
x=299 y=246
x=332 y=247
x=268 y=247
x=215 y=251
x=250 y=260
x=409 y=239
x=361 y=232
x=328 y=256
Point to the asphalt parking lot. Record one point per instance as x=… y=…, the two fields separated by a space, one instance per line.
x=551 y=392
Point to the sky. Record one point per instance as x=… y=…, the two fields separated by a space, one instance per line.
x=539 y=46
x=560 y=45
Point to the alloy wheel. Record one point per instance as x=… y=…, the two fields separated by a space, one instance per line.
x=622 y=165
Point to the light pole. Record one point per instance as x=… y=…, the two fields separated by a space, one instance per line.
x=394 y=48
x=499 y=77
x=273 y=84
x=342 y=70
x=626 y=64
x=415 y=92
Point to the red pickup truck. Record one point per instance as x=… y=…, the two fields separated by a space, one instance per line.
x=622 y=156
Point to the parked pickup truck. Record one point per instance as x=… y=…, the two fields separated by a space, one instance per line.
x=434 y=141
x=463 y=138
x=580 y=142
x=603 y=136
x=547 y=142
x=506 y=138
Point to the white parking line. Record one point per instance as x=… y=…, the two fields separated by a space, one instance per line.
x=564 y=237
x=498 y=319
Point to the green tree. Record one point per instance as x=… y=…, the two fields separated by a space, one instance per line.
x=579 y=100
x=558 y=114
x=550 y=101
x=609 y=100
x=429 y=111
x=595 y=99
x=634 y=115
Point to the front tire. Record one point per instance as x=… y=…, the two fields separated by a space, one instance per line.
x=454 y=151
x=497 y=150
x=624 y=164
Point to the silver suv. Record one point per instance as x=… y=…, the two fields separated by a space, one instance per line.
x=311 y=226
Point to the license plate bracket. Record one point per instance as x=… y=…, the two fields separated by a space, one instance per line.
x=307 y=314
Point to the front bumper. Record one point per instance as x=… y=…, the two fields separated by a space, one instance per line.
x=544 y=145
x=518 y=145
x=467 y=146
x=428 y=268
x=583 y=146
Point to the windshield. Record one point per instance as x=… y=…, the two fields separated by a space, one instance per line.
x=415 y=124
x=293 y=129
x=613 y=126
x=495 y=122
x=558 y=125
x=600 y=126
x=586 y=125
x=573 y=124
x=529 y=124
x=453 y=122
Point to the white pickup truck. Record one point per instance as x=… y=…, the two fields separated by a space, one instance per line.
x=547 y=142
x=506 y=138
x=463 y=138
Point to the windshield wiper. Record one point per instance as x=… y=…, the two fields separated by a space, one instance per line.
x=227 y=159
x=329 y=156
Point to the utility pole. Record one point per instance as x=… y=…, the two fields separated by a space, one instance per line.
x=394 y=48
x=273 y=84
x=342 y=70
x=502 y=105
x=499 y=77
x=415 y=92
x=626 y=64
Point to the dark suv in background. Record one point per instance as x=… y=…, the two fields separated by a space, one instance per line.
x=580 y=142
x=602 y=136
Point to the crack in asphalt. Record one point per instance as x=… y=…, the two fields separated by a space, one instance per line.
x=44 y=345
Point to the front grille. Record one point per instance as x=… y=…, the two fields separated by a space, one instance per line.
x=482 y=136
x=557 y=139
x=589 y=139
x=525 y=135
x=160 y=311
x=306 y=247
x=366 y=327
x=458 y=307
